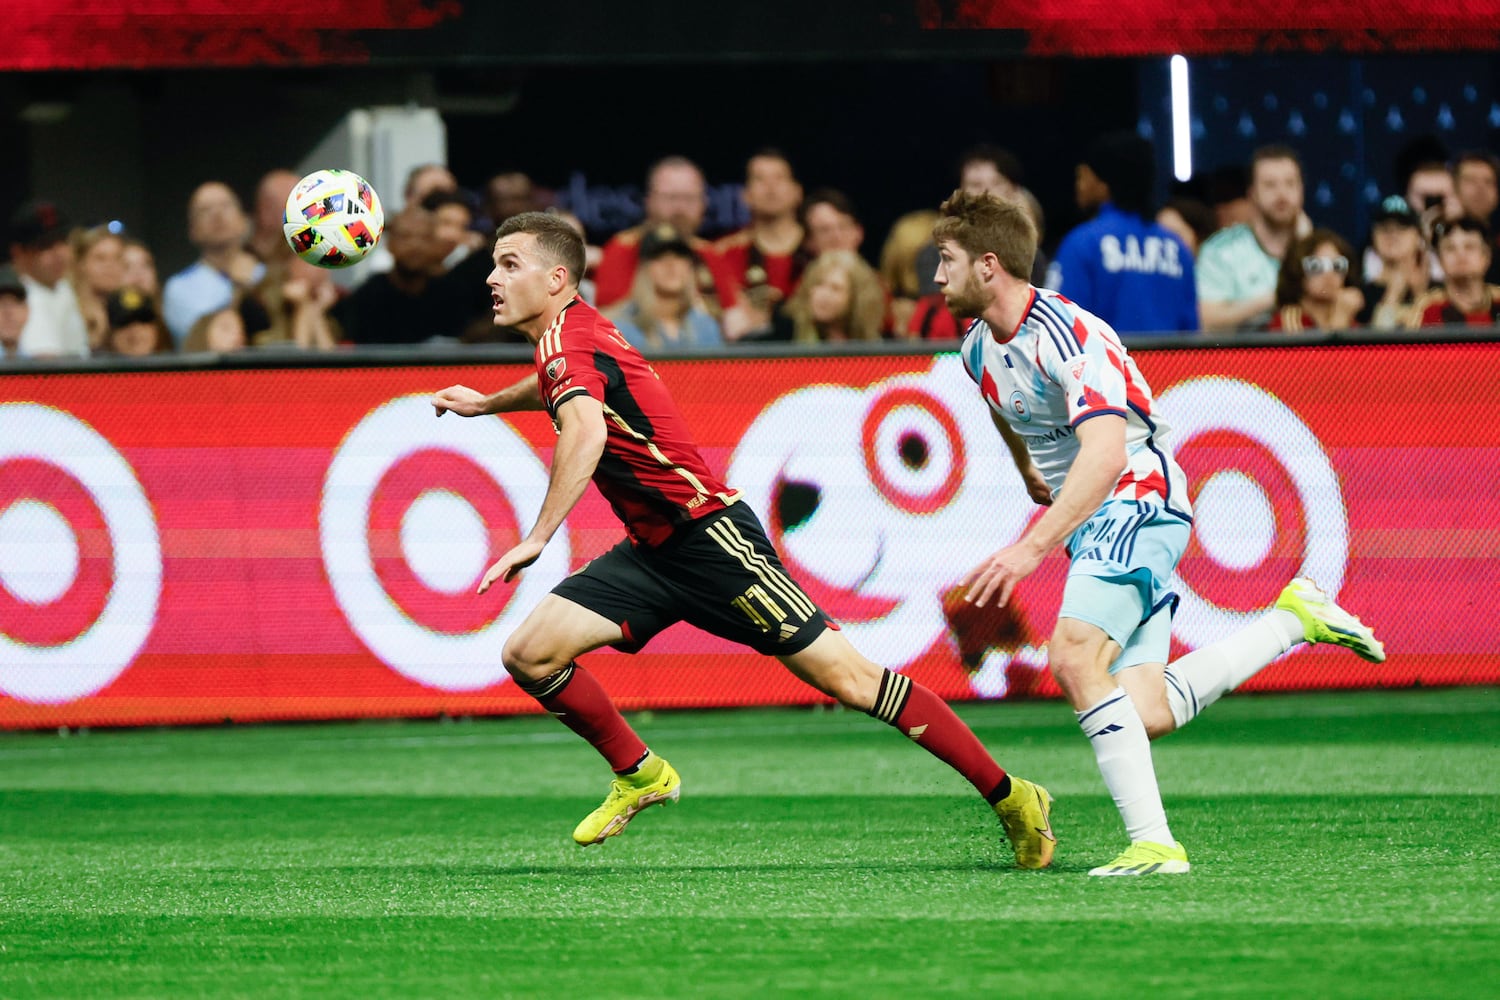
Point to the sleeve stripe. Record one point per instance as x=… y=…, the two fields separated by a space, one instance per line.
x=1067 y=345
x=1099 y=413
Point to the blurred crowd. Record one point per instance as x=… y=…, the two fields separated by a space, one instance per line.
x=1233 y=251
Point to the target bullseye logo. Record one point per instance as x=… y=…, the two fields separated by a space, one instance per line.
x=414 y=510
x=1267 y=505
x=913 y=450
x=80 y=557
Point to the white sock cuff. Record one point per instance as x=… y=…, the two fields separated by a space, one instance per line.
x=1106 y=712
x=1181 y=698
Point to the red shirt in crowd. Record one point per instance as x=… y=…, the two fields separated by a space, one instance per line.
x=749 y=266
x=615 y=274
x=1436 y=309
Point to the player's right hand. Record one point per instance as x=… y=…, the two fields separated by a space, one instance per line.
x=460 y=399
x=510 y=565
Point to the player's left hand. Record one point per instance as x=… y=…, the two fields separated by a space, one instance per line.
x=510 y=565
x=999 y=574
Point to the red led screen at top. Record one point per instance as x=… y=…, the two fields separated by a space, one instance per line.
x=162 y=34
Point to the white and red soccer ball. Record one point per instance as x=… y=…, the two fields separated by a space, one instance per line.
x=333 y=218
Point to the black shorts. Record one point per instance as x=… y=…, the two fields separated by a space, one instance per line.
x=719 y=573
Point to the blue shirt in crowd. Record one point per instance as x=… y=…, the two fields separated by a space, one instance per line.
x=1130 y=272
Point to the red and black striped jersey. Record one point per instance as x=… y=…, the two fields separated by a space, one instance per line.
x=651 y=472
x=1437 y=309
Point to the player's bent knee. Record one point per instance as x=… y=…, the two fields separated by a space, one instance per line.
x=526 y=656
x=1157 y=719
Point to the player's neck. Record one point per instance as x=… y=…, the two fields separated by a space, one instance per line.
x=1004 y=315
x=536 y=327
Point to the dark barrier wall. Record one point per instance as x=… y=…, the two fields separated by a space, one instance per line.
x=186 y=546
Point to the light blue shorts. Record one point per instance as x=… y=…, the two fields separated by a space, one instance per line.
x=1122 y=563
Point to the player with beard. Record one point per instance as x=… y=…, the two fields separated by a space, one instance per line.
x=1238 y=266
x=1081 y=425
x=693 y=551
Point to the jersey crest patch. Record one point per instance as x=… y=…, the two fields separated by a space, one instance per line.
x=1018 y=406
x=556 y=367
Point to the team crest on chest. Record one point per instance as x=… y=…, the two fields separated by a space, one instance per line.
x=556 y=367
x=1019 y=408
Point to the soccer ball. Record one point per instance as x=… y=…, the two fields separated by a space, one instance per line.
x=333 y=218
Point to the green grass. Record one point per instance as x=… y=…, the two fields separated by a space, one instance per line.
x=1343 y=846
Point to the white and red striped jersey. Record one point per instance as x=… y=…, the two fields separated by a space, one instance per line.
x=1060 y=367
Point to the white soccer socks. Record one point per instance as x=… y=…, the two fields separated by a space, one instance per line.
x=1198 y=679
x=1123 y=751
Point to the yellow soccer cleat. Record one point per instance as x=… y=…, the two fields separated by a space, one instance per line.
x=1145 y=858
x=1026 y=814
x=655 y=783
x=1324 y=621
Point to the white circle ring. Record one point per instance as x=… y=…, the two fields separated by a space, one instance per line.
x=385 y=436
x=101 y=652
x=1197 y=406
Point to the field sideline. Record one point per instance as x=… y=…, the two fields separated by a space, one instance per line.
x=1344 y=845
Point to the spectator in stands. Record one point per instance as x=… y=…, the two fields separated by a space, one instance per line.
x=289 y=308
x=42 y=256
x=1238 y=267
x=466 y=260
x=508 y=194
x=991 y=169
x=1476 y=181
x=898 y=266
x=831 y=223
x=1464 y=249
x=221 y=331
x=405 y=305
x=665 y=310
x=217 y=226
x=267 y=238
x=1190 y=219
x=1431 y=191
x=987 y=169
x=764 y=261
x=839 y=299
x=1404 y=274
x=423 y=180
x=98 y=269
x=1318 y=288
x=675 y=196
x=1122 y=265
x=140 y=268
x=1228 y=195
x=13 y=313
x=135 y=327
x=453 y=226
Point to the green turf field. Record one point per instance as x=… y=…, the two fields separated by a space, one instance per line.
x=1343 y=846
